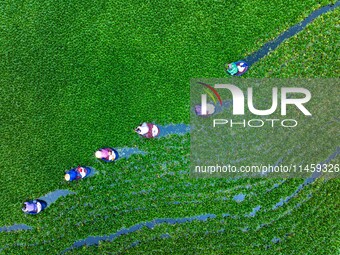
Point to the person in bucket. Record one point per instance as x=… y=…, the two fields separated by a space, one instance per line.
x=237 y=68
x=210 y=110
x=77 y=173
x=107 y=154
x=34 y=206
x=147 y=130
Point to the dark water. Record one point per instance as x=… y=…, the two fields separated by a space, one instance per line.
x=253 y=213
x=276 y=240
x=94 y=240
x=272 y=45
x=127 y=152
x=54 y=195
x=15 y=227
x=307 y=181
x=239 y=197
x=176 y=129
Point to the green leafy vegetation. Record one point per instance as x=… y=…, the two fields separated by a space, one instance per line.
x=79 y=76
x=313 y=53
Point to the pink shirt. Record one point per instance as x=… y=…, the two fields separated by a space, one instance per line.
x=105 y=153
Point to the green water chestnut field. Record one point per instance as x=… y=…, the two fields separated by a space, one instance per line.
x=76 y=76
